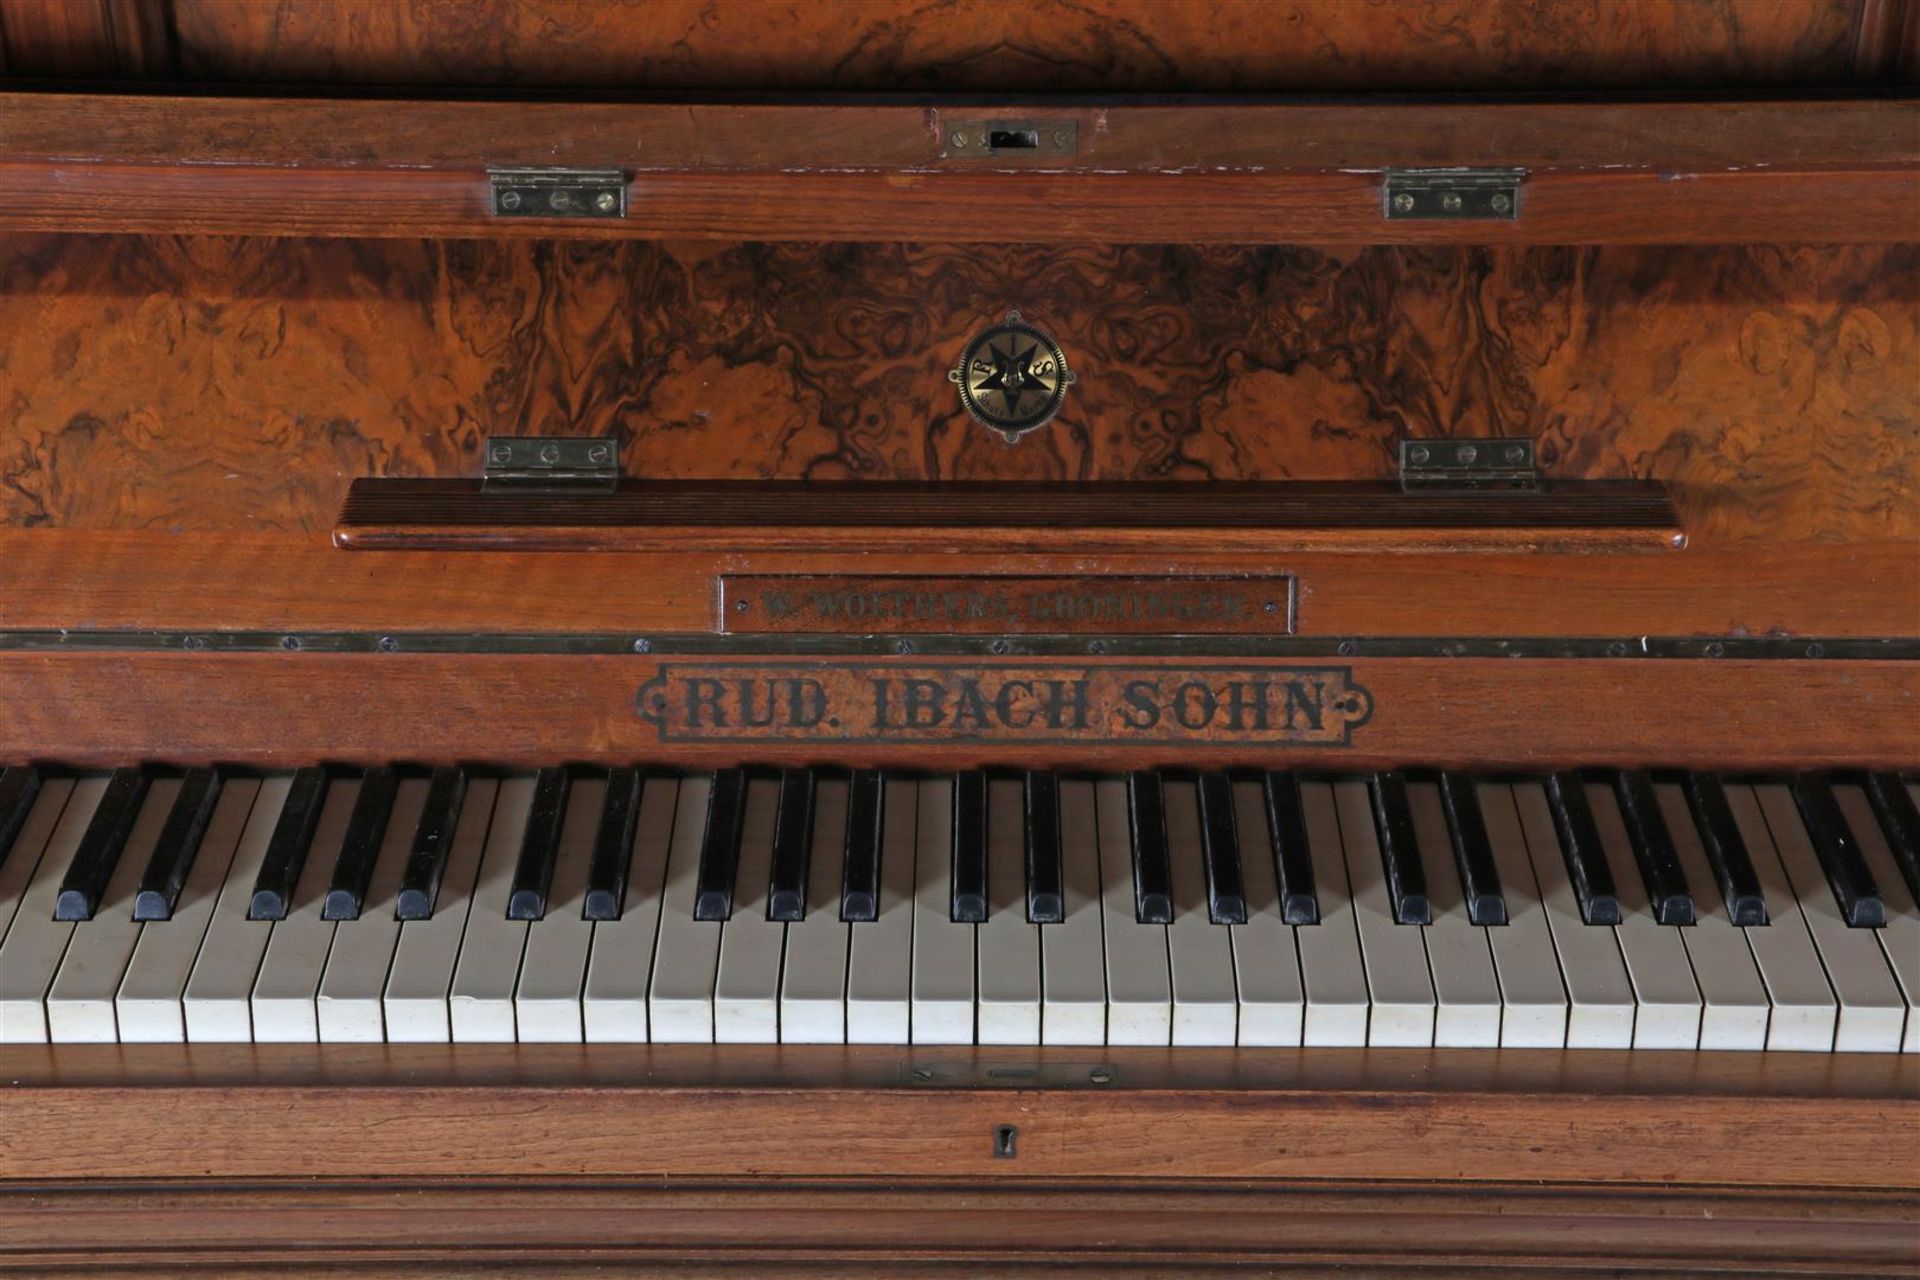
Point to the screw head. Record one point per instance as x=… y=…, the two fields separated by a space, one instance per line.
x=1419 y=455
x=193 y=643
x=501 y=454
x=1501 y=202
x=1403 y=203
x=605 y=201
x=549 y=453
x=903 y=646
x=1060 y=137
x=510 y=200
x=957 y=138
x=598 y=453
x=739 y=606
x=643 y=645
x=290 y=643
x=1450 y=202
x=388 y=644
x=1516 y=454
x=1466 y=453
x=560 y=200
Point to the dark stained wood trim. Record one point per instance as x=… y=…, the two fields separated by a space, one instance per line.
x=284 y=709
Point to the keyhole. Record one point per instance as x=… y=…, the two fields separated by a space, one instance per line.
x=1005 y=1141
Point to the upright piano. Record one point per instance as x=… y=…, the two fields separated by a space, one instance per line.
x=730 y=636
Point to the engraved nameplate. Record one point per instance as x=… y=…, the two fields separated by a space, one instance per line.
x=960 y=702
x=1091 y=605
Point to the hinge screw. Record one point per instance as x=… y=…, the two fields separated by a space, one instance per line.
x=1516 y=454
x=1501 y=202
x=510 y=200
x=550 y=453
x=1466 y=453
x=1450 y=202
x=1418 y=455
x=1403 y=203
x=642 y=645
x=501 y=454
x=957 y=138
x=598 y=453
x=605 y=201
x=560 y=200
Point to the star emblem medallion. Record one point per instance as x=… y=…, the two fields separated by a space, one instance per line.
x=1012 y=377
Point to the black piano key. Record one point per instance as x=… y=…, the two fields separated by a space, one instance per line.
x=860 y=870
x=19 y=788
x=1726 y=850
x=1653 y=850
x=1152 y=857
x=540 y=846
x=1220 y=850
x=720 y=846
x=969 y=848
x=1580 y=846
x=1892 y=805
x=287 y=850
x=101 y=847
x=792 y=842
x=1399 y=849
x=1833 y=840
x=1046 y=895
x=613 y=846
x=366 y=830
x=173 y=854
x=1292 y=860
x=432 y=841
x=1472 y=851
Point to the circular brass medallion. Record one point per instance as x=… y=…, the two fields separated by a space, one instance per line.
x=1012 y=377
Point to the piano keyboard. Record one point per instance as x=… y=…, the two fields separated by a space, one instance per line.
x=1579 y=910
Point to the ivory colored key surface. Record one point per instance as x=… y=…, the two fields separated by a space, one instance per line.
x=36 y=941
x=216 y=1003
x=1073 y=979
x=1805 y=1012
x=1734 y=1006
x=1395 y=954
x=1600 y=1006
x=1139 y=983
x=680 y=1001
x=880 y=957
x=553 y=970
x=285 y=990
x=421 y=982
x=28 y=845
x=620 y=967
x=1331 y=969
x=1872 y=1013
x=80 y=1001
x=1466 y=991
x=942 y=947
x=1008 y=945
x=352 y=987
x=1533 y=999
x=151 y=1003
x=1266 y=960
x=1900 y=937
x=746 y=990
x=1199 y=952
x=813 y=978
x=480 y=1005
x=1667 y=1000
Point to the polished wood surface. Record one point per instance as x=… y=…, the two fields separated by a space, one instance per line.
x=282 y=710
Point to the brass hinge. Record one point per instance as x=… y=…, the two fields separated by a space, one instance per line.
x=552 y=462
x=558 y=193
x=1451 y=194
x=1467 y=464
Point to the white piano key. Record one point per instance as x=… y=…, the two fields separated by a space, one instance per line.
x=1465 y=988
x=1600 y=1004
x=1199 y=952
x=943 y=957
x=1073 y=979
x=283 y=1004
x=746 y=987
x=813 y=979
x=687 y=955
x=553 y=969
x=217 y=1002
x=1872 y=1013
x=1666 y=998
x=151 y=1003
x=1007 y=943
x=1398 y=985
x=28 y=846
x=1139 y=983
x=349 y=1005
x=1331 y=969
x=419 y=987
x=1266 y=960
x=1900 y=938
x=1805 y=1012
x=880 y=957
x=1533 y=998
x=480 y=1003
x=1734 y=1005
x=80 y=1001
x=620 y=968
x=36 y=941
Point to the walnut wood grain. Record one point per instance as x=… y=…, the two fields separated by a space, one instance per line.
x=610 y=1110
x=241 y=384
x=526 y=710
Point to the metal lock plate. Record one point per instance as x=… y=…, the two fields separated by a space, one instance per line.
x=558 y=193
x=1451 y=194
x=1008 y=139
